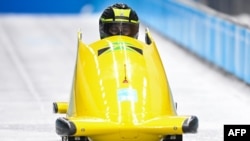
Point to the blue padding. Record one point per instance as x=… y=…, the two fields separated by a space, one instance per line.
x=219 y=42
x=229 y=45
x=208 y=46
x=247 y=58
x=239 y=52
x=212 y=40
x=42 y=6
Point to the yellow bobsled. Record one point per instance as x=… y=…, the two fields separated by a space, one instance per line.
x=120 y=92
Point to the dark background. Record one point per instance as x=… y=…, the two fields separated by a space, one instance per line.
x=230 y=7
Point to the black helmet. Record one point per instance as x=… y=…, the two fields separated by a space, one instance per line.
x=119 y=19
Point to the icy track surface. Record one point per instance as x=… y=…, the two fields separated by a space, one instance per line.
x=37 y=57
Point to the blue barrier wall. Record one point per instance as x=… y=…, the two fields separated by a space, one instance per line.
x=42 y=6
x=207 y=34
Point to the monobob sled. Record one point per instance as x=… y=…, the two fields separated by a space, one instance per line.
x=120 y=92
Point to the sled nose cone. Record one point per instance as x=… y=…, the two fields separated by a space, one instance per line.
x=190 y=125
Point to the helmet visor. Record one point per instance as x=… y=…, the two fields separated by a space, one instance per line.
x=127 y=29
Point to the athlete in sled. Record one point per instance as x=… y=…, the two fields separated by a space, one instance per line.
x=120 y=90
